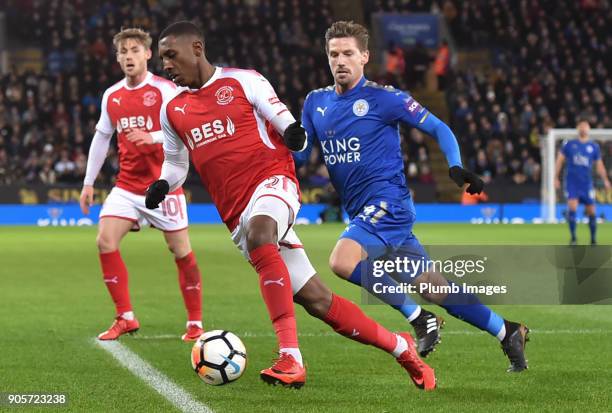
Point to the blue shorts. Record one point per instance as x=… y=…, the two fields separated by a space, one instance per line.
x=585 y=196
x=384 y=227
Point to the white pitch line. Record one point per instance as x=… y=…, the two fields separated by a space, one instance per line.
x=161 y=383
x=251 y=334
x=156 y=337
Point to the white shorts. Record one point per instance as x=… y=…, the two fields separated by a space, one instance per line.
x=277 y=197
x=170 y=216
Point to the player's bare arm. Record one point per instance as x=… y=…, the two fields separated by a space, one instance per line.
x=601 y=170
x=86 y=199
x=142 y=137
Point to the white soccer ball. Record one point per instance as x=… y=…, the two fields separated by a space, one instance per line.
x=218 y=357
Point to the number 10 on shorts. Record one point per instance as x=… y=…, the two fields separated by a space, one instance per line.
x=171 y=207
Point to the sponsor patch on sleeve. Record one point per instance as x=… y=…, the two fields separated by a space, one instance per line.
x=414 y=108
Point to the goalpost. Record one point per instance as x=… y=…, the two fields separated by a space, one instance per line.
x=549 y=147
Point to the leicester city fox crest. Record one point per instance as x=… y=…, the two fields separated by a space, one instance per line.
x=361 y=107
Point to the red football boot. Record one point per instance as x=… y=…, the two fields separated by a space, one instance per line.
x=285 y=371
x=193 y=333
x=120 y=326
x=420 y=373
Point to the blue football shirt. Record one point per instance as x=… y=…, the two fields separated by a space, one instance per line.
x=579 y=157
x=358 y=132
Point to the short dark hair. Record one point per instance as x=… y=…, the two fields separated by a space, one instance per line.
x=345 y=28
x=581 y=119
x=182 y=28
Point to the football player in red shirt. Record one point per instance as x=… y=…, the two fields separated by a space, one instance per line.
x=131 y=107
x=239 y=135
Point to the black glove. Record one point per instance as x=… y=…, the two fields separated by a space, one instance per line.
x=463 y=176
x=295 y=136
x=156 y=193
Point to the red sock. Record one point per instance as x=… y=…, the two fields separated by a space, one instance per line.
x=275 y=286
x=190 y=282
x=116 y=279
x=348 y=319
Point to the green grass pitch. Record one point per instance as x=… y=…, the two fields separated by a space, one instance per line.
x=53 y=302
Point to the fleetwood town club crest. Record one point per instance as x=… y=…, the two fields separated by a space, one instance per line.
x=361 y=107
x=149 y=98
x=224 y=95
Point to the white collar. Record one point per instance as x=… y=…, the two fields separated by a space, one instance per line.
x=214 y=77
x=146 y=80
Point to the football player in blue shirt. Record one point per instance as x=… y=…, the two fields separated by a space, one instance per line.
x=356 y=122
x=580 y=155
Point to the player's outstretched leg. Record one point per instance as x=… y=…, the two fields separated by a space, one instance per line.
x=190 y=281
x=465 y=307
x=115 y=276
x=468 y=308
x=347 y=319
x=426 y=324
x=346 y=262
x=275 y=286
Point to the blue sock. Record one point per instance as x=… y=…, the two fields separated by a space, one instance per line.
x=402 y=303
x=467 y=307
x=571 y=220
x=593 y=227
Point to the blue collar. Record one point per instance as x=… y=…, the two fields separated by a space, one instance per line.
x=352 y=91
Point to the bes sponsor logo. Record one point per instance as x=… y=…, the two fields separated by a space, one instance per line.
x=210 y=132
x=337 y=151
x=134 y=122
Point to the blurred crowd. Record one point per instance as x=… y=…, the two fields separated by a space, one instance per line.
x=550 y=65
x=47 y=120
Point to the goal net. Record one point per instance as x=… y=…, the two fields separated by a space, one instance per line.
x=549 y=147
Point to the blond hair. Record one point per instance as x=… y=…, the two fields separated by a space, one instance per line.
x=133 y=33
x=345 y=28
